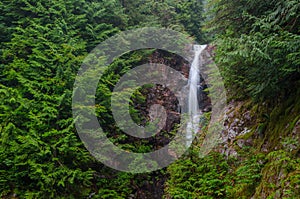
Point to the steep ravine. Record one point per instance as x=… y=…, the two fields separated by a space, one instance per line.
x=258 y=157
x=270 y=131
x=260 y=145
x=273 y=135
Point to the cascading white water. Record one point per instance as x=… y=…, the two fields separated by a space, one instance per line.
x=193 y=104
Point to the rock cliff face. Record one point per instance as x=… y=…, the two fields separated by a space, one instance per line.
x=236 y=125
x=272 y=135
x=161 y=95
x=268 y=133
x=263 y=138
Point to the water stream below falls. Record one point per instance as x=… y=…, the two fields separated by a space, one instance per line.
x=193 y=103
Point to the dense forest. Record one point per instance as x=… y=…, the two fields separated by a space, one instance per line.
x=254 y=44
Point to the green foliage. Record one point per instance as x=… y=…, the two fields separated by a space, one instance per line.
x=259 y=65
x=215 y=176
x=247 y=176
x=190 y=15
x=280 y=176
x=256 y=47
x=180 y=15
x=257 y=50
x=194 y=177
x=42 y=45
x=41 y=155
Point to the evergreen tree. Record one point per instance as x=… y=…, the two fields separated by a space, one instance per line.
x=257 y=46
x=41 y=154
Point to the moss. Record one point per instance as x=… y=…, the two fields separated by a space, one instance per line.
x=280 y=120
x=280 y=176
x=293 y=123
x=281 y=173
x=255 y=173
x=245 y=136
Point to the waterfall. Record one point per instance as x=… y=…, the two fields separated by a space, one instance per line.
x=193 y=104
